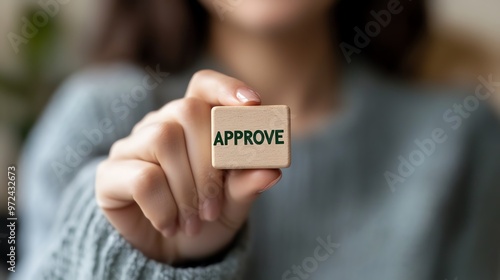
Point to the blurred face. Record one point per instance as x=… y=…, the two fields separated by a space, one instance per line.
x=265 y=16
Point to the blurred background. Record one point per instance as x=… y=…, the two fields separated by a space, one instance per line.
x=463 y=43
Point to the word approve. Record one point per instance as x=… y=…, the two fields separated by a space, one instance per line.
x=249 y=137
x=254 y=137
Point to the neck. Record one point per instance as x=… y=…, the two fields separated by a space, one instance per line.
x=297 y=68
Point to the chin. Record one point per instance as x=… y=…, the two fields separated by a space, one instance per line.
x=267 y=16
x=271 y=17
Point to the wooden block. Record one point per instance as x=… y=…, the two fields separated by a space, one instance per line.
x=250 y=137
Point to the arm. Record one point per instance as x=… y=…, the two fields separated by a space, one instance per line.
x=84 y=113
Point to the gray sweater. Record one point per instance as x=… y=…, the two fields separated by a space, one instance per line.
x=400 y=185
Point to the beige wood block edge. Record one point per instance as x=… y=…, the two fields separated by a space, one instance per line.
x=251 y=137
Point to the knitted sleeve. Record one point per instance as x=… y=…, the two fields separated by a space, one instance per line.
x=65 y=235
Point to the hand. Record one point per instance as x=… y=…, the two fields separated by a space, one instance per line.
x=159 y=189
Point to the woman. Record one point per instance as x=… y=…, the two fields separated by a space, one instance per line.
x=385 y=182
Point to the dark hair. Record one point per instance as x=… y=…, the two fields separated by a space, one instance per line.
x=172 y=32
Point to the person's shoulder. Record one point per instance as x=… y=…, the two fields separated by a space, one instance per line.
x=466 y=116
x=103 y=82
x=417 y=101
x=118 y=90
x=410 y=109
x=468 y=109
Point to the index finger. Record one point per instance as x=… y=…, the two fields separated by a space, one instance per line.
x=218 y=89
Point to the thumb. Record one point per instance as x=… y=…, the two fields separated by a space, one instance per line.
x=242 y=188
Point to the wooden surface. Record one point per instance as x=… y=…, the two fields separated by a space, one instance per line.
x=250 y=137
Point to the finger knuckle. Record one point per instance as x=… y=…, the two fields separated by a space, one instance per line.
x=101 y=167
x=145 y=120
x=146 y=180
x=101 y=171
x=201 y=74
x=167 y=132
x=191 y=108
x=116 y=147
x=164 y=220
x=149 y=116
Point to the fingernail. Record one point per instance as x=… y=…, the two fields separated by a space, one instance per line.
x=193 y=224
x=169 y=231
x=272 y=183
x=246 y=95
x=211 y=209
